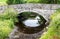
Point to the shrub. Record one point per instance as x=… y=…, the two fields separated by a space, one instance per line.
x=5 y=28
x=7 y=20
x=54 y=27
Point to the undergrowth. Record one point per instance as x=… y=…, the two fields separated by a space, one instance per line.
x=7 y=20
x=54 y=27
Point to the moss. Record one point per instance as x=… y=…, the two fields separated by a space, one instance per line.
x=54 y=27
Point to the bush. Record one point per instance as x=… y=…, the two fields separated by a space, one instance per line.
x=5 y=28
x=7 y=20
x=54 y=27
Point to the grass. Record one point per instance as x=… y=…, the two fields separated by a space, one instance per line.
x=7 y=20
x=54 y=27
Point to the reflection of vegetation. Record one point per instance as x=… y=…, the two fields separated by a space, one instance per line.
x=54 y=27
x=28 y=14
x=7 y=22
x=42 y=21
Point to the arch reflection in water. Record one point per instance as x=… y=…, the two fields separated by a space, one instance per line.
x=30 y=22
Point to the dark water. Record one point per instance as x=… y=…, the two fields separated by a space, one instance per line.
x=30 y=22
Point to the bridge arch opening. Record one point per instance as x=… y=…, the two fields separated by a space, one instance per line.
x=30 y=22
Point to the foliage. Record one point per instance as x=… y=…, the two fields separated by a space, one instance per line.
x=15 y=2
x=43 y=1
x=32 y=1
x=5 y=2
x=7 y=20
x=54 y=27
x=8 y=14
x=5 y=28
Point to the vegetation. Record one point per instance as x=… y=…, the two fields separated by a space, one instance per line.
x=15 y=2
x=54 y=27
x=3 y=2
x=33 y=1
x=7 y=20
x=9 y=2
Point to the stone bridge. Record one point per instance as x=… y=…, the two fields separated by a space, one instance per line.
x=43 y=9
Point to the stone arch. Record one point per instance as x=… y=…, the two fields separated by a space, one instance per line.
x=44 y=15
